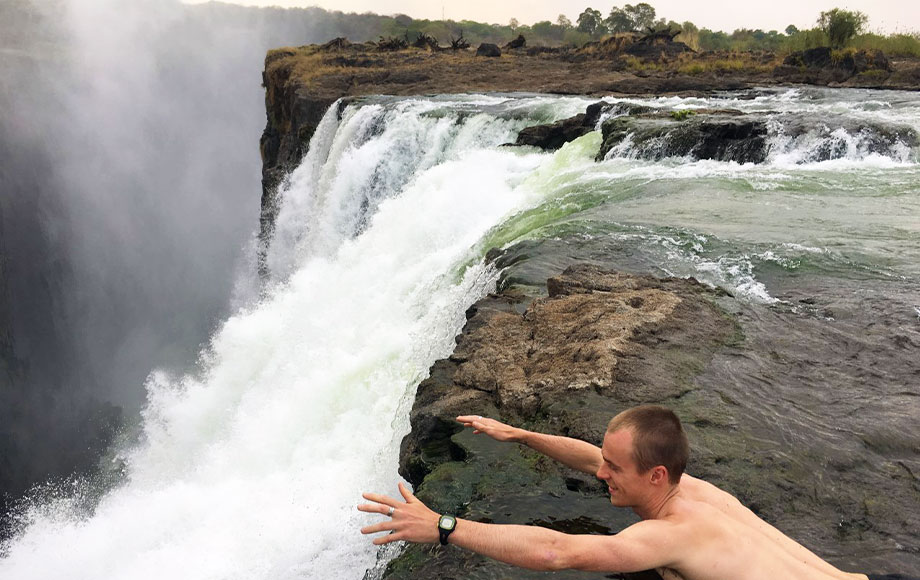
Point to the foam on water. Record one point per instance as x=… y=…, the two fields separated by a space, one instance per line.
x=860 y=129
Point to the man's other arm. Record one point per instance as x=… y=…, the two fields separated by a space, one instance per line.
x=577 y=454
x=642 y=546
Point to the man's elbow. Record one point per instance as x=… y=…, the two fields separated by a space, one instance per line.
x=557 y=555
x=552 y=560
x=564 y=555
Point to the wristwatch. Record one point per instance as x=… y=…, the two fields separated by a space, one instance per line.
x=446 y=525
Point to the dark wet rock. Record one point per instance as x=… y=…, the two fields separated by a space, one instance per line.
x=488 y=49
x=837 y=137
x=554 y=135
x=594 y=344
x=720 y=135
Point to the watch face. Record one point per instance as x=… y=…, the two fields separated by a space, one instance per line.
x=447 y=522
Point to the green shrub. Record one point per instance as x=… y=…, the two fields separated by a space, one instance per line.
x=805 y=39
x=842 y=25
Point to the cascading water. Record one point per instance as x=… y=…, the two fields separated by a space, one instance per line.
x=251 y=468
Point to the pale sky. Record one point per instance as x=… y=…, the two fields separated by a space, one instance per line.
x=884 y=15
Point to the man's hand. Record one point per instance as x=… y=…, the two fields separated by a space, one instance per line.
x=577 y=454
x=411 y=521
x=494 y=429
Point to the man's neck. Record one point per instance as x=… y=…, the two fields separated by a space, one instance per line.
x=657 y=505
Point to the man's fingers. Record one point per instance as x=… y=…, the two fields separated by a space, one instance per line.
x=406 y=493
x=374 y=508
x=468 y=420
x=378 y=527
x=386 y=539
x=385 y=500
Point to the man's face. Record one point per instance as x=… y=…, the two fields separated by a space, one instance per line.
x=626 y=485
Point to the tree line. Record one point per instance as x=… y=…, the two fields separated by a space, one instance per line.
x=836 y=28
x=287 y=26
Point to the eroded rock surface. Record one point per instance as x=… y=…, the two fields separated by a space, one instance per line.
x=720 y=135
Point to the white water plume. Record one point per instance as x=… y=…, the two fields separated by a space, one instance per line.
x=252 y=467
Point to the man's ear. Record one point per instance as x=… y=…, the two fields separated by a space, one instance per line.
x=659 y=475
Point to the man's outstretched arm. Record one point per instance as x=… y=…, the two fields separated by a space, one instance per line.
x=640 y=547
x=575 y=453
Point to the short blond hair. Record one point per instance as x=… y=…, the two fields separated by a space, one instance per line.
x=658 y=439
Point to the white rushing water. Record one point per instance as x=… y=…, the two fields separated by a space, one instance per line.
x=252 y=468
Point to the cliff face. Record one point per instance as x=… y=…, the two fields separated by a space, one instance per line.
x=293 y=112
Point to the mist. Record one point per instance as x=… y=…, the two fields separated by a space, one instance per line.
x=129 y=200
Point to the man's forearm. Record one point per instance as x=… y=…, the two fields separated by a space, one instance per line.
x=530 y=547
x=577 y=454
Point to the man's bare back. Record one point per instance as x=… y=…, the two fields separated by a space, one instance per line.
x=727 y=540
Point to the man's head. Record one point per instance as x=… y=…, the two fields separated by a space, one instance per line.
x=645 y=447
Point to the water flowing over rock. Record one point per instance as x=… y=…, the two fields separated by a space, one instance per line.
x=555 y=135
x=721 y=135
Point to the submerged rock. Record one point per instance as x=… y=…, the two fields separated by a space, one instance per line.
x=554 y=135
x=721 y=135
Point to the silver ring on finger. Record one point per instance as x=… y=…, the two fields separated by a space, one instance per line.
x=390 y=513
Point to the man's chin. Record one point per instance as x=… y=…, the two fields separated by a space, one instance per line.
x=617 y=500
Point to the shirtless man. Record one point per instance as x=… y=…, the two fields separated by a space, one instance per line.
x=690 y=529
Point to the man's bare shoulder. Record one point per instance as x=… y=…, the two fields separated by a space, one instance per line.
x=699 y=490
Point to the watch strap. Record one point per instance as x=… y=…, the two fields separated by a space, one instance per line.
x=443 y=532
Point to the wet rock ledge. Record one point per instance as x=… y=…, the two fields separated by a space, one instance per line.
x=562 y=359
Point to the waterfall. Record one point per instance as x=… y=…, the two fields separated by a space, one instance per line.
x=251 y=466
